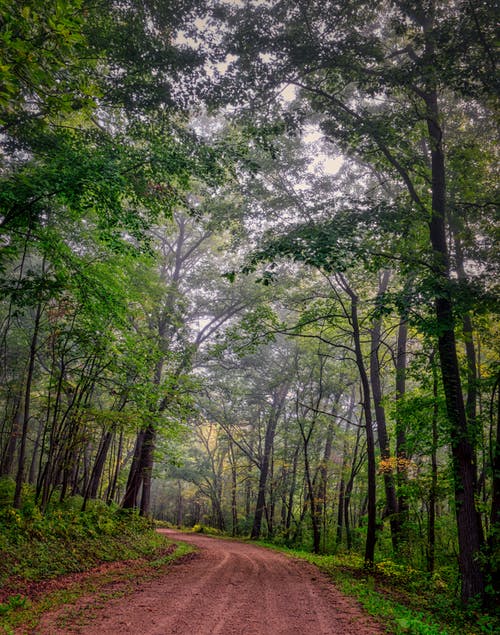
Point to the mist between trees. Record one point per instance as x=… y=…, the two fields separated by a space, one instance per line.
x=203 y=320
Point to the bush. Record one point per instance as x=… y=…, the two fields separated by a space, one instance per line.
x=205 y=529
x=65 y=540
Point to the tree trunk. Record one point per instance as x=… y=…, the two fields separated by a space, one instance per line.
x=468 y=331
x=370 y=443
x=342 y=485
x=11 y=445
x=356 y=465
x=310 y=494
x=494 y=537
x=179 y=516
x=110 y=494
x=321 y=487
x=291 y=491
x=264 y=469
x=431 y=541
x=264 y=466
x=271 y=503
x=146 y=468
x=134 y=480
x=469 y=531
x=234 y=490
x=98 y=468
x=340 y=509
x=26 y=413
x=32 y=477
x=385 y=452
x=401 y=450
x=284 y=478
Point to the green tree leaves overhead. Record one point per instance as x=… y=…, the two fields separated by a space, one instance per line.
x=40 y=47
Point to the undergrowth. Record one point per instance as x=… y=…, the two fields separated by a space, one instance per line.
x=403 y=599
x=66 y=540
x=206 y=529
x=36 y=548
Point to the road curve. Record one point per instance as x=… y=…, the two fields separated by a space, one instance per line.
x=233 y=588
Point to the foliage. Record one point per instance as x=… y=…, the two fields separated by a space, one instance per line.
x=38 y=546
x=203 y=529
x=131 y=351
x=37 y=43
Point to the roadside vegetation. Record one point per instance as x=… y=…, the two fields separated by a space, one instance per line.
x=403 y=599
x=55 y=558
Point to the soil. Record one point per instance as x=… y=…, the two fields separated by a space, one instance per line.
x=225 y=588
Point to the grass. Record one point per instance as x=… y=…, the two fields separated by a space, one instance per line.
x=404 y=600
x=81 y=598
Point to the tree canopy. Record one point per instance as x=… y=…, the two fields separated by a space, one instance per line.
x=249 y=270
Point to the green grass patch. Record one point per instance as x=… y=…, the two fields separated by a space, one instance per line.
x=82 y=598
x=403 y=599
x=65 y=540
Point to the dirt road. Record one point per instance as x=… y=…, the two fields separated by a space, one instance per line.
x=231 y=588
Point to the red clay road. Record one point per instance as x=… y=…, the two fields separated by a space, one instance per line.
x=231 y=588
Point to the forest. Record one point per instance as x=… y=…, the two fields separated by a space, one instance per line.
x=249 y=273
